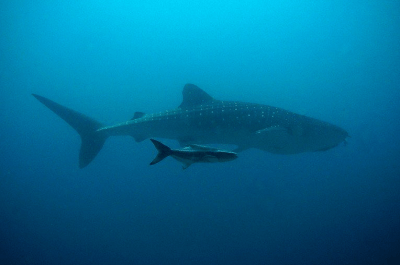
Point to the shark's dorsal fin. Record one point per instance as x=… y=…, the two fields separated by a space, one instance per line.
x=138 y=115
x=193 y=95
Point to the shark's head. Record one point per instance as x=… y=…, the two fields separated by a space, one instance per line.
x=311 y=136
x=328 y=136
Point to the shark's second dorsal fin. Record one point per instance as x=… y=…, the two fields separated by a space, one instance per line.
x=193 y=95
x=138 y=115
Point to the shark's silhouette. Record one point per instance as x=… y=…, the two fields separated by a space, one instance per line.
x=201 y=119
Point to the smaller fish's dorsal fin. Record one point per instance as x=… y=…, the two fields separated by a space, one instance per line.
x=138 y=115
x=202 y=147
x=193 y=95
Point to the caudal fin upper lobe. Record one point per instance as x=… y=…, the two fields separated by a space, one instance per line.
x=92 y=140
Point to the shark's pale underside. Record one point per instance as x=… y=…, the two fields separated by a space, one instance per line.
x=201 y=119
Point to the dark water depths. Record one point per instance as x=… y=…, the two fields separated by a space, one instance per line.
x=332 y=60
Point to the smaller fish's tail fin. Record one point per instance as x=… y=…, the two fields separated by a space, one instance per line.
x=163 y=151
x=92 y=140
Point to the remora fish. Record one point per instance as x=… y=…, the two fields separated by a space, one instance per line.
x=192 y=154
x=202 y=119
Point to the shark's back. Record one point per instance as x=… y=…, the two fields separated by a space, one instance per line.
x=250 y=125
x=201 y=119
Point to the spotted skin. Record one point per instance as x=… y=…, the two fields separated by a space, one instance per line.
x=246 y=125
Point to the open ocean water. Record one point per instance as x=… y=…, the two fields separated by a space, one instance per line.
x=337 y=61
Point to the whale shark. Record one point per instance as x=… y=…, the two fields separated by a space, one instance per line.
x=201 y=119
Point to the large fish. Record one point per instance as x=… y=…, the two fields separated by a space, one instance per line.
x=192 y=154
x=201 y=119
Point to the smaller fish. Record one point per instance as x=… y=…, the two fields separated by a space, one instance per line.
x=192 y=154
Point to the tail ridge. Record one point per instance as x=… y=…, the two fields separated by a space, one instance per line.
x=92 y=141
x=163 y=151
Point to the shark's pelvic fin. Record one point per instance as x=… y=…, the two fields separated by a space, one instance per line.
x=92 y=141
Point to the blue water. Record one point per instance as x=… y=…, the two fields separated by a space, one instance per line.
x=338 y=61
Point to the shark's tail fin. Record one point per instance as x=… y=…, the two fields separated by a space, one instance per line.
x=163 y=151
x=92 y=141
